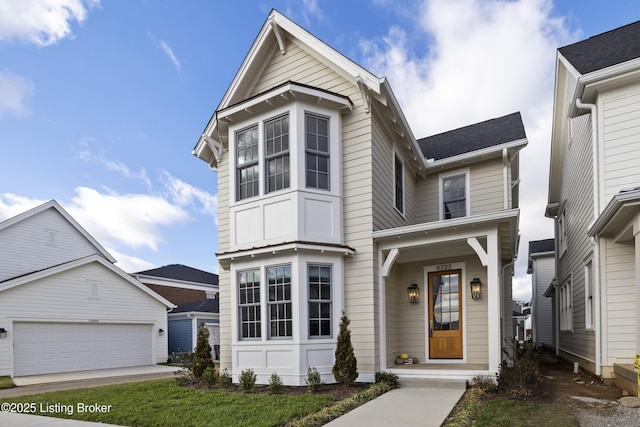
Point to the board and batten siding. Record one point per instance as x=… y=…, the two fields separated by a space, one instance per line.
x=621 y=133
x=577 y=196
x=65 y=297
x=542 y=310
x=25 y=245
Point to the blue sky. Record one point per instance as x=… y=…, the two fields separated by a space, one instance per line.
x=101 y=102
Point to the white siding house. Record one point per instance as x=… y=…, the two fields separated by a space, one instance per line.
x=594 y=197
x=328 y=204
x=542 y=267
x=65 y=307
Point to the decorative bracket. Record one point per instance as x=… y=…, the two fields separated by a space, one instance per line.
x=278 y=34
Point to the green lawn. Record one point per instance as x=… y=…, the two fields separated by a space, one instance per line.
x=165 y=403
x=5 y=382
x=507 y=413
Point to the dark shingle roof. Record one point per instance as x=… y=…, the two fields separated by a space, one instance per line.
x=182 y=272
x=604 y=50
x=202 y=306
x=539 y=246
x=473 y=137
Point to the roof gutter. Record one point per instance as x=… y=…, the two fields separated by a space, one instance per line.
x=465 y=157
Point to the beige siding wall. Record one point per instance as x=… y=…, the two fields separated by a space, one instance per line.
x=224 y=278
x=620 y=302
x=621 y=133
x=486 y=191
x=577 y=195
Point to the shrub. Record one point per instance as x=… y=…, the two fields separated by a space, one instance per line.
x=275 y=384
x=520 y=378
x=210 y=376
x=314 y=380
x=247 y=379
x=386 y=378
x=225 y=378
x=345 y=368
x=202 y=358
x=484 y=382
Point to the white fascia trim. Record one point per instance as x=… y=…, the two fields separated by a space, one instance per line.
x=175 y=283
x=251 y=253
x=472 y=221
x=518 y=144
x=542 y=254
x=78 y=263
x=618 y=201
x=342 y=102
x=200 y=314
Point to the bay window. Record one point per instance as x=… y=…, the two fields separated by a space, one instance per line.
x=249 y=304
x=277 y=153
x=317 y=151
x=247 y=177
x=279 y=301
x=319 y=278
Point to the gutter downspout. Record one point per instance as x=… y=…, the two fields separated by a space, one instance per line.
x=595 y=240
x=502 y=306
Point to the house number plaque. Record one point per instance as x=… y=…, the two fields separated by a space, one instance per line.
x=443 y=267
x=94 y=321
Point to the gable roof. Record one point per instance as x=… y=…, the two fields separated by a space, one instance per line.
x=604 y=50
x=274 y=34
x=52 y=204
x=203 y=306
x=487 y=134
x=27 y=278
x=182 y=273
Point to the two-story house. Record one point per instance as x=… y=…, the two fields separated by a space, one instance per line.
x=541 y=264
x=329 y=204
x=594 y=197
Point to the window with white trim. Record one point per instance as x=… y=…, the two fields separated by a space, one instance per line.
x=279 y=301
x=276 y=133
x=562 y=231
x=454 y=196
x=320 y=307
x=247 y=170
x=589 y=303
x=398 y=183
x=316 y=151
x=566 y=306
x=249 y=304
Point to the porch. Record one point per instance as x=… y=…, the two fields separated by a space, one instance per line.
x=441 y=371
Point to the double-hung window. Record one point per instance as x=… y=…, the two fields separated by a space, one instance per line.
x=398 y=181
x=279 y=302
x=566 y=307
x=454 y=196
x=249 y=303
x=319 y=277
x=276 y=133
x=247 y=170
x=317 y=151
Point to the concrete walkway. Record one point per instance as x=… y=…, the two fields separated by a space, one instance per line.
x=424 y=404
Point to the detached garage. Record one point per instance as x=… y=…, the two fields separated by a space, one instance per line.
x=65 y=306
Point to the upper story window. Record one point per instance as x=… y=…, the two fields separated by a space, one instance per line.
x=317 y=151
x=562 y=231
x=454 y=194
x=277 y=153
x=248 y=176
x=398 y=180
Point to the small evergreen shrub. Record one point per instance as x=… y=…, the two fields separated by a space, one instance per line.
x=247 y=379
x=275 y=384
x=225 y=378
x=386 y=378
x=202 y=358
x=314 y=380
x=210 y=376
x=345 y=368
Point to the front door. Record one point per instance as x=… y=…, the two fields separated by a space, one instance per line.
x=445 y=315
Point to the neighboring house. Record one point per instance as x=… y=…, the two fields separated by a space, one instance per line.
x=65 y=306
x=594 y=198
x=195 y=292
x=542 y=267
x=328 y=204
x=520 y=316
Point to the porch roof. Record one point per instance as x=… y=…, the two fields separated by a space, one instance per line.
x=438 y=238
x=616 y=219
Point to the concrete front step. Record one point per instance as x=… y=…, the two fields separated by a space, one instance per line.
x=433 y=383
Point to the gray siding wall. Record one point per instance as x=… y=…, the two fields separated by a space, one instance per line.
x=577 y=195
x=24 y=247
x=180 y=336
x=542 y=310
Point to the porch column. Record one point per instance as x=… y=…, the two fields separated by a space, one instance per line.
x=493 y=300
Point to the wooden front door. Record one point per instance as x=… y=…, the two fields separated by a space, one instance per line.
x=445 y=315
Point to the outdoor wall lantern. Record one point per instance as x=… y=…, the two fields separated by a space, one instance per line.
x=414 y=293
x=476 y=287
x=3 y=333
x=161 y=332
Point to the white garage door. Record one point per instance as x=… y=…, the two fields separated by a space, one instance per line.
x=45 y=348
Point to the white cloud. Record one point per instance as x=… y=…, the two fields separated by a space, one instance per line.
x=14 y=90
x=167 y=50
x=186 y=195
x=113 y=165
x=12 y=205
x=128 y=263
x=41 y=22
x=484 y=59
x=133 y=220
